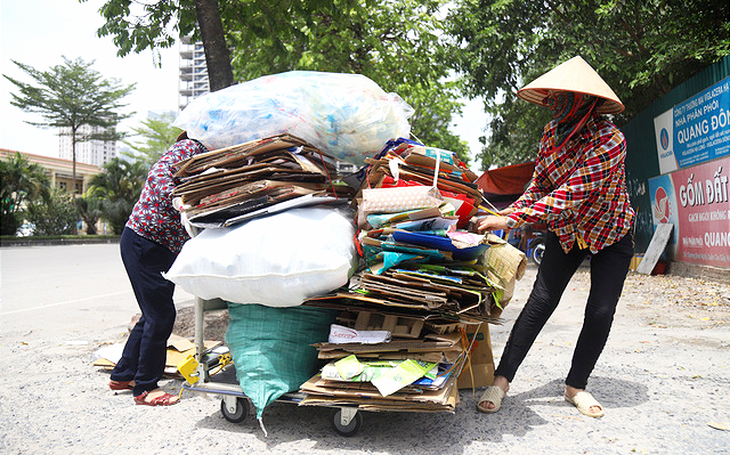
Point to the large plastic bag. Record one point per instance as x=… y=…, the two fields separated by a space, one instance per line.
x=279 y=260
x=271 y=348
x=347 y=116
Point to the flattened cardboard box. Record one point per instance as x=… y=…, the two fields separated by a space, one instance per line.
x=480 y=371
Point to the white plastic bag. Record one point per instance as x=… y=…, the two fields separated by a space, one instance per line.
x=278 y=261
x=345 y=115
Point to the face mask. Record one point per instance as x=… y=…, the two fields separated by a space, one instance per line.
x=563 y=105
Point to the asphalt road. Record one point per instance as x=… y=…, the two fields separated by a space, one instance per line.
x=663 y=378
x=49 y=291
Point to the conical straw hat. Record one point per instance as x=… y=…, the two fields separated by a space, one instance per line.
x=577 y=76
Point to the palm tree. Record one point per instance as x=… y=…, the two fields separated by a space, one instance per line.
x=89 y=208
x=21 y=182
x=119 y=186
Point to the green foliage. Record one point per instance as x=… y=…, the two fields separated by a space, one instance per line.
x=118 y=186
x=70 y=96
x=641 y=49
x=136 y=26
x=399 y=44
x=21 y=183
x=89 y=208
x=155 y=137
x=53 y=216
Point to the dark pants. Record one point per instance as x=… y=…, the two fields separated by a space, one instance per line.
x=143 y=358
x=608 y=272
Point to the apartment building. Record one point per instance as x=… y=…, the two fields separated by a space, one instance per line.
x=93 y=152
x=193 y=72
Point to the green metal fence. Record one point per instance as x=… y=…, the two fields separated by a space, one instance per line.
x=642 y=162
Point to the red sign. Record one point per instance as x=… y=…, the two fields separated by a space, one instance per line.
x=697 y=201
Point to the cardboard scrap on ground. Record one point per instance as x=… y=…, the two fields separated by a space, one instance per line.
x=178 y=349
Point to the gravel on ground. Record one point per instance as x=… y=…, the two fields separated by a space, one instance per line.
x=662 y=378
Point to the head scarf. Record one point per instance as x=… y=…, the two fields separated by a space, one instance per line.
x=570 y=111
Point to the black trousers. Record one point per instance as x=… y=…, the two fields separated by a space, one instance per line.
x=608 y=271
x=143 y=358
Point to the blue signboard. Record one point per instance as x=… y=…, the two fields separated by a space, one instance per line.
x=695 y=131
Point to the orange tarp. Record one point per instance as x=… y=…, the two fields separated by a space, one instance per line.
x=506 y=180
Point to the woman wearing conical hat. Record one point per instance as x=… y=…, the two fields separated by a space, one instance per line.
x=579 y=189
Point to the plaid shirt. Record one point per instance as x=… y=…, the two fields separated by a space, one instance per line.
x=153 y=216
x=580 y=189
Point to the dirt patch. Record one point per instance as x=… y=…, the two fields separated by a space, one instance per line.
x=216 y=323
x=675 y=301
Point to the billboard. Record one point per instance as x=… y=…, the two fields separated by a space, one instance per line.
x=696 y=130
x=696 y=201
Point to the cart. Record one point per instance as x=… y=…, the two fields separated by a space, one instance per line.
x=235 y=405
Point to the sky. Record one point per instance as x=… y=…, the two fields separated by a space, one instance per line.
x=40 y=32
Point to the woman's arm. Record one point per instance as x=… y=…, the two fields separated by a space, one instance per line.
x=603 y=159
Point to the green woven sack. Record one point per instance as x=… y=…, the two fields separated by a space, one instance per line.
x=271 y=348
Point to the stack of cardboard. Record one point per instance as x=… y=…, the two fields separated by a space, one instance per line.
x=404 y=163
x=416 y=370
x=235 y=184
x=425 y=280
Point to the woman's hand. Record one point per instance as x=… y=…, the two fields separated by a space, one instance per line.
x=492 y=223
x=506 y=212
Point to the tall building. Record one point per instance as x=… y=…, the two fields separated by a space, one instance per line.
x=93 y=152
x=193 y=72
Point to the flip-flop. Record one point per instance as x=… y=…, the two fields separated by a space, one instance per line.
x=121 y=385
x=493 y=394
x=583 y=401
x=162 y=400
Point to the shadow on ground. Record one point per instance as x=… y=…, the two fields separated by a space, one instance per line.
x=419 y=433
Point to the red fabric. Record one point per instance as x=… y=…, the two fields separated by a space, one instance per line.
x=507 y=180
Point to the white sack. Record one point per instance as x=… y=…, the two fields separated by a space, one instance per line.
x=279 y=260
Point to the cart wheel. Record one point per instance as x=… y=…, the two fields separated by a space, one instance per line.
x=234 y=409
x=351 y=427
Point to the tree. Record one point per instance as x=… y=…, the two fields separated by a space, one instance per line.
x=89 y=208
x=22 y=182
x=156 y=135
x=119 y=185
x=53 y=216
x=217 y=58
x=69 y=97
x=136 y=26
x=398 y=44
x=641 y=49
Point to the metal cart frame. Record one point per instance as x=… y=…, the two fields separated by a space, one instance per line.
x=235 y=405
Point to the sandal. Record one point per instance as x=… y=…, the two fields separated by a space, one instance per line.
x=165 y=399
x=494 y=395
x=583 y=401
x=121 y=385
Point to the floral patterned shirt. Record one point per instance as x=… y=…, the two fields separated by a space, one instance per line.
x=579 y=190
x=153 y=216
